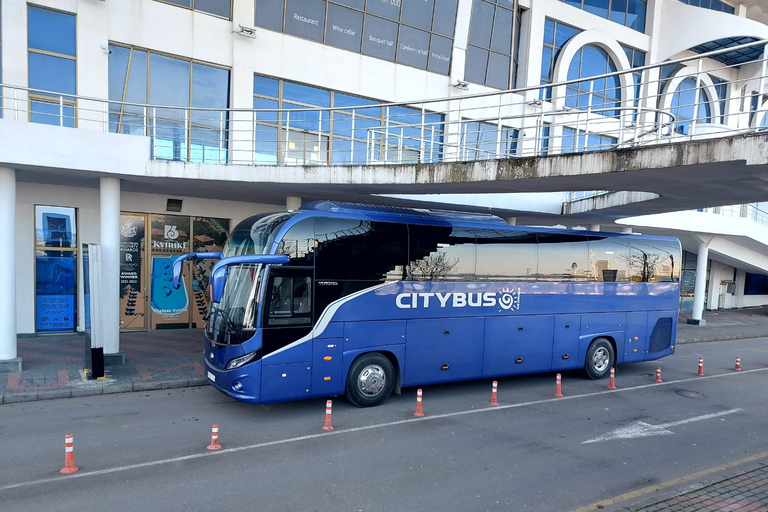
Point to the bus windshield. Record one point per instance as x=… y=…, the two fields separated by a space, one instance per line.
x=233 y=320
x=255 y=235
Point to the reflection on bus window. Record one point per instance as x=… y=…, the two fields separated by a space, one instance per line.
x=609 y=259
x=563 y=258
x=440 y=253
x=653 y=261
x=506 y=256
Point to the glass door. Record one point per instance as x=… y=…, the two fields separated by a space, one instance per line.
x=169 y=307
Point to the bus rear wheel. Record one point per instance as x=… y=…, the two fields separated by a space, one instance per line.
x=370 y=380
x=600 y=359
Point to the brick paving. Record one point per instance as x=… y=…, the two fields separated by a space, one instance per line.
x=52 y=366
x=747 y=492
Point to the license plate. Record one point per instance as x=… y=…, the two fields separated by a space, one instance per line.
x=212 y=377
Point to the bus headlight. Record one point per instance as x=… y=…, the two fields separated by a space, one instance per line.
x=240 y=361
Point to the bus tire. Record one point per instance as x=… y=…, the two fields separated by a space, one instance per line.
x=370 y=380
x=600 y=359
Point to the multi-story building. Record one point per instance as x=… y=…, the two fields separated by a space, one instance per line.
x=151 y=127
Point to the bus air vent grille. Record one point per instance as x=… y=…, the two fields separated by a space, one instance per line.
x=661 y=337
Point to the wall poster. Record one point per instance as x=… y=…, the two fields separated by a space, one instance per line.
x=132 y=281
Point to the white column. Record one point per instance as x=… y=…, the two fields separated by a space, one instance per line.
x=628 y=231
x=511 y=221
x=8 y=351
x=594 y=227
x=292 y=203
x=701 y=283
x=109 y=228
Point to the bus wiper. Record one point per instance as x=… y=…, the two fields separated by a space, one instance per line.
x=231 y=327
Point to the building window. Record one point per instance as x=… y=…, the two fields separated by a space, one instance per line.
x=714 y=5
x=756 y=284
x=1 y=58
x=721 y=86
x=636 y=60
x=52 y=66
x=490 y=49
x=602 y=95
x=56 y=269
x=576 y=141
x=630 y=13
x=417 y=34
x=357 y=130
x=555 y=36
x=481 y=141
x=143 y=77
x=221 y=8
x=544 y=140
x=689 y=104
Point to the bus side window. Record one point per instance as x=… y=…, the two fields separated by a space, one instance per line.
x=280 y=305
x=290 y=302
x=301 y=296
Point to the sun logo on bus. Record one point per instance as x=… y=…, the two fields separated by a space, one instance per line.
x=509 y=299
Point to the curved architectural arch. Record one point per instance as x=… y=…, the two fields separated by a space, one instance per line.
x=705 y=84
x=615 y=53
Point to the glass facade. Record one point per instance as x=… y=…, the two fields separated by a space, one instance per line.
x=481 y=141
x=715 y=5
x=350 y=131
x=417 y=34
x=555 y=36
x=721 y=87
x=221 y=8
x=56 y=245
x=490 y=50
x=602 y=95
x=52 y=66
x=636 y=60
x=142 y=77
x=689 y=104
x=575 y=141
x=630 y=13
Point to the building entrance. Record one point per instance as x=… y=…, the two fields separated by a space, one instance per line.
x=148 y=299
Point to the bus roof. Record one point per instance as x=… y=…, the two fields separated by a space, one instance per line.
x=401 y=214
x=436 y=217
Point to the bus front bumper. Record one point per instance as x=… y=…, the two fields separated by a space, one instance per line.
x=241 y=383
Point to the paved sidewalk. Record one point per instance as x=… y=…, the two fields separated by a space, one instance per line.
x=52 y=365
x=747 y=491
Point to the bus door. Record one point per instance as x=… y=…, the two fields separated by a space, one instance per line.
x=287 y=317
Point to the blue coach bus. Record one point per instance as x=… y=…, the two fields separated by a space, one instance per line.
x=338 y=298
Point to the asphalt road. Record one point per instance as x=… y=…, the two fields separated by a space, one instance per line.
x=148 y=450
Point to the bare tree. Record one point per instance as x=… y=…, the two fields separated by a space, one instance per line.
x=435 y=266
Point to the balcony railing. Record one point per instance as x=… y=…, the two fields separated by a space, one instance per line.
x=578 y=115
x=745 y=211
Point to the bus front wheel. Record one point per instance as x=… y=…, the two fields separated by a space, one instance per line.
x=600 y=359
x=370 y=380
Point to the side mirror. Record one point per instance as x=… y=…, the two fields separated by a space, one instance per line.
x=178 y=262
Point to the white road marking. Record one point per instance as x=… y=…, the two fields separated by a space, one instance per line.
x=224 y=451
x=643 y=429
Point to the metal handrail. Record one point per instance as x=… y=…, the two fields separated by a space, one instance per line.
x=535 y=126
